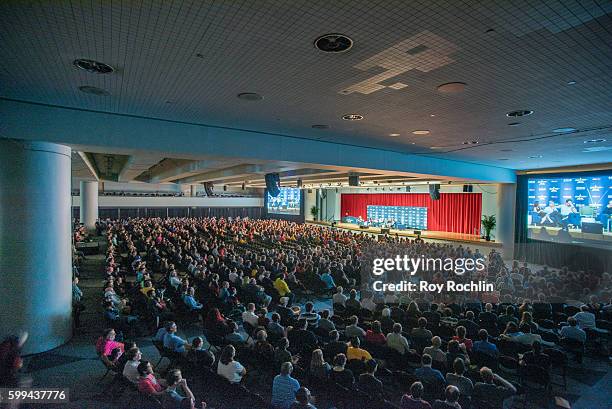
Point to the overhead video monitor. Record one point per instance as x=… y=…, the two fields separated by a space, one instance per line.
x=288 y=201
x=574 y=209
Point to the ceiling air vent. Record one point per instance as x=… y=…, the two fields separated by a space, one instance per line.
x=94 y=91
x=519 y=113
x=333 y=43
x=93 y=66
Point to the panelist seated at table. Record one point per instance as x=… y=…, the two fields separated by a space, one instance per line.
x=552 y=216
x=605 y=215
x=537 y=213
x=569 y=215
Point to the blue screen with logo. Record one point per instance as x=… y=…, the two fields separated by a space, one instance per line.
x=288 y=201
x=571 y=209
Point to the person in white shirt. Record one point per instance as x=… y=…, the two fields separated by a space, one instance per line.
x=339 y=297
x=585 y=318
x=130 y=370
x=174 y=280
x=435 y=351
x=397 y=341
x=572 y=332
x=231 y=370
x=367 y=303
x=250 y=316
x=525 y=337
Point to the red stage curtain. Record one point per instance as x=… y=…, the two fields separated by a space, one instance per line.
x=454 y=212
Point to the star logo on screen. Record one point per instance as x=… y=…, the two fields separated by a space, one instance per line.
x=580 y=180
x=554 y=189
x=595 y=188
x=580 y=197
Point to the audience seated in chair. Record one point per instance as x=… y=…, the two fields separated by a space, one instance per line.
x=339 y=374
x=302 y=399
x=319 y=369
x=368 y=382
x=229 y=368
x=415 y=399
x=354 y=351
x=458 y=379
x=483 y=345
x=451 y=398
x=493 y=389
x=284 y=387
x=435 y=351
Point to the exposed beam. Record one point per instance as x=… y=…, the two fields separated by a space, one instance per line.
x=232 y=172
x=125 y=168
x=84 y=156
x=64 y=125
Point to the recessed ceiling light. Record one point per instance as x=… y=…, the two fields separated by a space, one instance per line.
x=564 y=130
x=421 y=132
x=93 y=66
x=432 y=115
x=320 y=126
x=437 y=147
x=572 y=82
x=412 y=143
x=514 y=124
x=88 y=89
x=352 y=117
x=519 y=113
x=536 y=157
x=250 y=96
x=470 y=142
x=333 y=43
x=452 y=87
x=394 y=134
x=595 y=141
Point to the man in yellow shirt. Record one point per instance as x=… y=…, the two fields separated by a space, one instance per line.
x=355 y=352
x=283 y=289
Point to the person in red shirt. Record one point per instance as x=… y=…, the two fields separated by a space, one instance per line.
x=460 y=337
x=147 y=383
x=375 y=335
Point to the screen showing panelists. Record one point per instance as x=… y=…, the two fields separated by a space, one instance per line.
x=288 y=201
x=574 y=209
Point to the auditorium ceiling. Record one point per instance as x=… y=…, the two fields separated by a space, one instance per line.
x=150 y=168
x=452 y=68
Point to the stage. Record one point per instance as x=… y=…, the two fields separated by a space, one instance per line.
x=428 y=235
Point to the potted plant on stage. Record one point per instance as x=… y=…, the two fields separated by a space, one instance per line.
x=488 y=224
x=314 y=211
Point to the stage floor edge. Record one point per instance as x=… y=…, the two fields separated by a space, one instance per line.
x=425 y=234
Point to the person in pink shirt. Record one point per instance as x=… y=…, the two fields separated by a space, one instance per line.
x=106 y=344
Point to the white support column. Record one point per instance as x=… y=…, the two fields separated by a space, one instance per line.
x=35 y=243
x=310 y=199
x=506 y=208
x=89 y=203
x=194 y=190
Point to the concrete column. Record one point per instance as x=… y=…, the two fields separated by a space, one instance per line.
x=310 y=199
x=89 y=203
x=506 y=208
x=35 y=243
x=194 y=190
